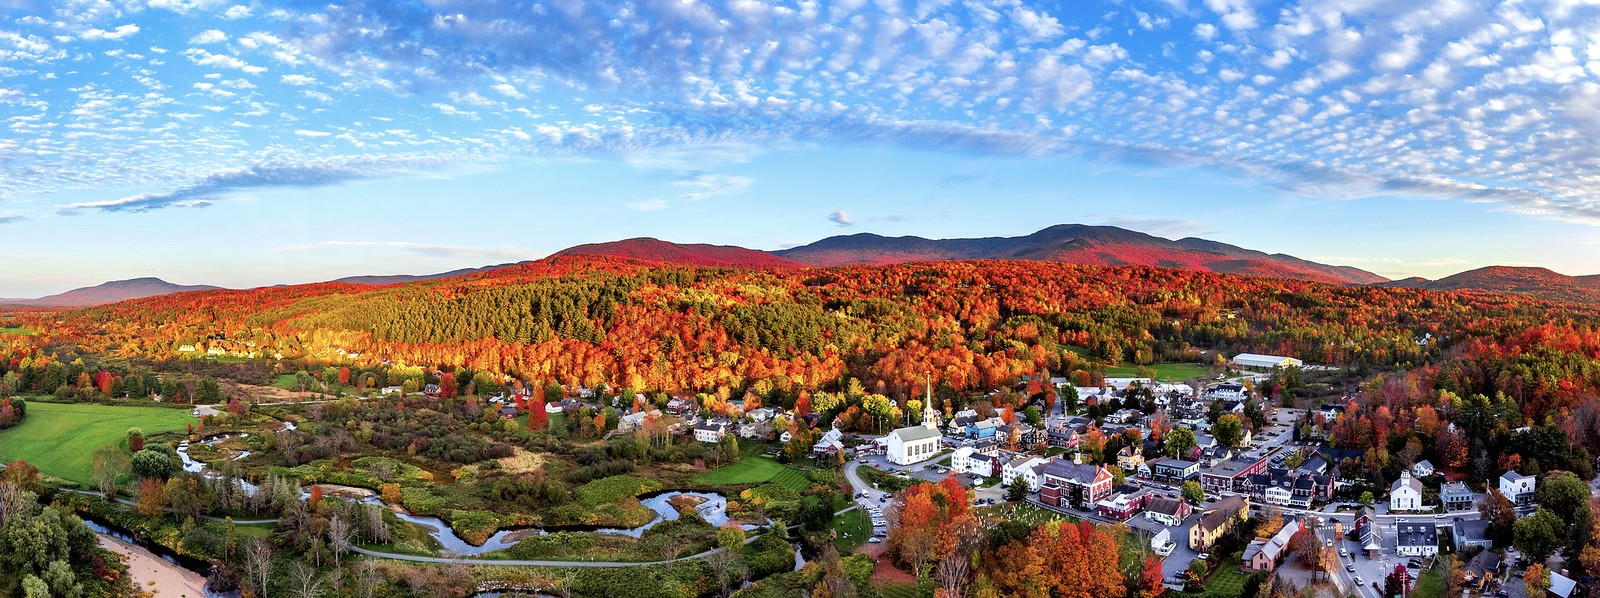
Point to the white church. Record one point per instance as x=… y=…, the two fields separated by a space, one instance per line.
x=916 y=443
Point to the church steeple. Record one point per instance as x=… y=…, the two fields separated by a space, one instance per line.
x=930 y=418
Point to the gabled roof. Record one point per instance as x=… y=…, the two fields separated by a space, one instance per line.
x=916 y=433
x=1219 y=514
x=1164 y=506
x=1406 y=481
x=1077 y=473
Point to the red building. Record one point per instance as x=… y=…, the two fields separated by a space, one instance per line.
x=1073 y=484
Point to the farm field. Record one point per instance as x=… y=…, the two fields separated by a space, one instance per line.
x=1164 y=372
x=756 y=469
x=60 y=439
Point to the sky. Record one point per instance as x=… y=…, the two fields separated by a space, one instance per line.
x=252 y=143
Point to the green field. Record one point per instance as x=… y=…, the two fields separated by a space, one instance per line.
x=60 y=439
x=1164 y=372
x=21 y=331
x=756 y=469
x=852 y=529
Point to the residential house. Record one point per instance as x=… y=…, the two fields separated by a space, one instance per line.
x=1417 y=538
x=1479 y=571
x=635 y=420
x=1123 y=416
x=1422 y=469
x=1074 y=484
x=1125 y=503
x=1518 y=488
x=1026 y=435
x=677 y=406
x=1469 y=533
x=1217 y=520
x=916 y=443
x=1406 y=493
x=985 y=428
x=1173 y=470
x=1232 y=476
x=710 y=431
x=1456 y=496
x=968 y=460
x=1561 y=586
x=1064 y=436
x=1167 y=511
x=831 y=443
x=1130 y=458
x=1263 y=554
x=1225 y=391
x=1015 y=468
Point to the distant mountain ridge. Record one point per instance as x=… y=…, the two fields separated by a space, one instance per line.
x=380 y=279
x=1076 y=243
x=111 y=292
x=693 y=254
x=1526 y=280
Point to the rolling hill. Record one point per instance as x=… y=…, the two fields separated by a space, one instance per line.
x=1538 y=282
x=697 y=254
x=1079 y=244
x=111 y=292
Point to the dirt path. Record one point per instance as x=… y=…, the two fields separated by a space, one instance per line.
x=151 y=573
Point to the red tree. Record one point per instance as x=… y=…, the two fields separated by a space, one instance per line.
x=344 y=375
x=537 y=418
x=447 y=386
x=316 y=497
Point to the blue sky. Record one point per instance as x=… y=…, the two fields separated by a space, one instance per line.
x=253 y=143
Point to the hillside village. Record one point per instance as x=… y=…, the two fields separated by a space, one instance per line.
x=1150 y=455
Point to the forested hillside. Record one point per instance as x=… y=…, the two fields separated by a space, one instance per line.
x=972 y=325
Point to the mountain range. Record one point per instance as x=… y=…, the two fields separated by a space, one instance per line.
x=1539 y=282
x=110 y=292
x=1074 y=243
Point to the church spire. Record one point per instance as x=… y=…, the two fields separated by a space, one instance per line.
x=930 y=418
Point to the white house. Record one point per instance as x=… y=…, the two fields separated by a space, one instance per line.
x=1406 y=494
x=1422 y=469
x=710 y=431
x=916 y=443
x=1019 y=468
x=832 y=440
x=1253 y=361
x=1518 y=488
x=1417 y=538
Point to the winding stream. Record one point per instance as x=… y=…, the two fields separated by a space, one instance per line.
x=713 y=508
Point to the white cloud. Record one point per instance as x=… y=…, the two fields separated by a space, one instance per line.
x=121 y=31
x=209 y=36
x=839 y=217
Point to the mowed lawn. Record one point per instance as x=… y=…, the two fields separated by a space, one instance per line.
x=60 y=439
x=1164 y=372
x=756 y=469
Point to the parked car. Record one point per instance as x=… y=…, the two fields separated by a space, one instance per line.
x=1358 y=580
x=873 y=540
x=1351 y=567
